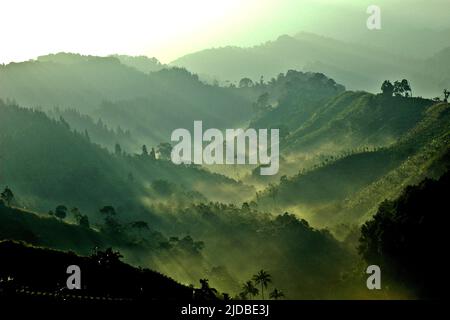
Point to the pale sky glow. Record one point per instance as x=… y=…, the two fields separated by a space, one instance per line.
x=168 y=29
x=165 y=29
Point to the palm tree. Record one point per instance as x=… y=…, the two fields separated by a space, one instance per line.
x=263 y=279
x=249 y=289
x=276 y=294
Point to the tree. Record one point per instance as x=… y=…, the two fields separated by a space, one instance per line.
x=276 y=294
x=112 y=226
x=144 y=150
x=407 y=238
x=153 y=154
x=140 y=226
x=75 y=212
x=81 y=219
x=84 y=221
x=387 y=88
x=446 y=95
x=86 y=135
x=7 y=196
x=108 y=211
x=61 y=211
x=165 y=150
x=402 y=88
x=406 y=88
x=262 y=278
x=262 y=103
x=245 y=83
x=273 y=192
x=108 y=258
x=163 y=187
x=206 y=291
x=118 y=149
x=249 y=289
x=398 y=89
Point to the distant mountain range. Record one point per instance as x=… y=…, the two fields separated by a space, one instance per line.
x=357 y=66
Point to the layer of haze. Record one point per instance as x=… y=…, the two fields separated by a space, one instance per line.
x=171 y=28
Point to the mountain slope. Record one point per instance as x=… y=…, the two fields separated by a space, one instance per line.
x=130 y=284
x=141 y=63
x=409 y=232
x=48 y=164
x=355 y=119
x=347 y=189
x=358 y=67
x=150 y=105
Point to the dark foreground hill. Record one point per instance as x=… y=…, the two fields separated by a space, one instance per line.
x=407 y=237
x=31 y=273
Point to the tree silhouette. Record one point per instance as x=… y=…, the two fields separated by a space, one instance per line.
x=140 y=226
x=118 y=149
x=249 y=289
x=387 y=88
x=107 y=258
x=446 y=95
x=111 y=225
x=108 y=211
x=406 y=87
x=262 y=278
x=153 y=154
x=164 y=150
x=144 y=150
x=7 y=196
x=206 y=291
x=61 y=211
x=273 y=192
x=398 y=89
x=245 y=83
x=84 y=221
x=86 y=135
x=262 y=103
x=81 y=219
x=276 y=294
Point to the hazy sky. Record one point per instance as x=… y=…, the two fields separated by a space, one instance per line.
x=168 y=29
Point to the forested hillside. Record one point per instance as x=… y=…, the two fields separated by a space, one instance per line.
x=49 y=164
x=407 y=233
x=150 y=105
x=347 y=186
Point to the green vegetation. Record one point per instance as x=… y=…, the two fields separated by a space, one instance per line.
x=85 y=167
x=407 y=234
